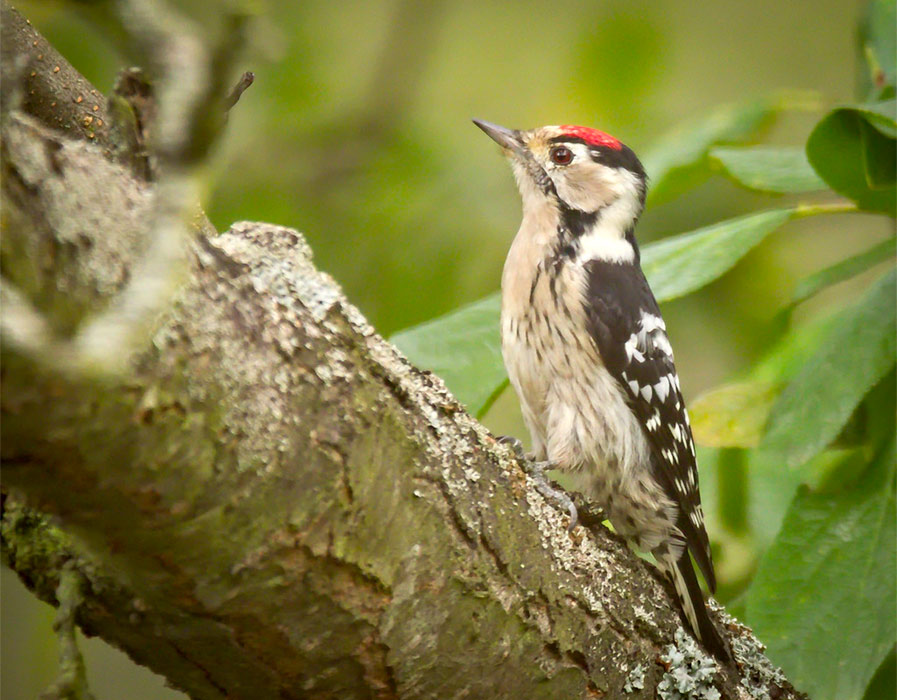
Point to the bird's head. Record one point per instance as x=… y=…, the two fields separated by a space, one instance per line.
x=583 y=172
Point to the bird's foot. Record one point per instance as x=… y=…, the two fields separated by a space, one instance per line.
x=550 y=492
x=514 y=444
x=536 y=469
x=591 y=515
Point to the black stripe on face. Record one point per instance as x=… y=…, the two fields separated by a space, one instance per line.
x=576 y=221
x=623 y=157
x=630 y=238
x=539 y=176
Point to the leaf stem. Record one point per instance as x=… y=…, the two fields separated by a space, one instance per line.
x=493 y=397
x=804 y=210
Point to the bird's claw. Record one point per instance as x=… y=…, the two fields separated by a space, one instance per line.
x=555 y=496
x=514 y=444
x=536 y=470
x=590 y=514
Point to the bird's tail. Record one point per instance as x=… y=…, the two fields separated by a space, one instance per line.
x=691 y=600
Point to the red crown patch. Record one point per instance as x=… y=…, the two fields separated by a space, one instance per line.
x=593 y=137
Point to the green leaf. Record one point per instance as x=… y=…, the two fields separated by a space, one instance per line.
x=791 y=353
x=879 y=157
x=847 y=364
x=464 y=348
x=733 y=415
x=881 y=115
x=679 y=160
x=769 y=169
x=853 y=150
x=843 y=270
x=681 y=264
x=884 y=684
x=823 y=599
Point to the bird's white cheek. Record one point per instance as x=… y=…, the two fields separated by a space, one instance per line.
x=583 y=191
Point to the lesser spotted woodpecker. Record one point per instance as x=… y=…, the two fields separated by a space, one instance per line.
x=587 y=351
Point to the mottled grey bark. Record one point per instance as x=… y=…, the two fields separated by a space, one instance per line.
x=272 y=502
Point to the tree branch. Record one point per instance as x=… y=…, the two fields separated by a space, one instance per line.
x=272 y=502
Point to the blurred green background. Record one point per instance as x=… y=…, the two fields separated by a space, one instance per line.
x=357 y=132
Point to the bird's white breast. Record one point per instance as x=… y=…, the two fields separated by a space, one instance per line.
x=573 y=408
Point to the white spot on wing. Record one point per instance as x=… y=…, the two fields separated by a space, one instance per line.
x=632 y=350
x=662 y=388
x=650 y=323
x=663 y=344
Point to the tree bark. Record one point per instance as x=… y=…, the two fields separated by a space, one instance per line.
x=272 y=502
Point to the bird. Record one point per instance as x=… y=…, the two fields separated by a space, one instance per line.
x=587 y=352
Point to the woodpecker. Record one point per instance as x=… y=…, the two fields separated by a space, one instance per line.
x=587 y=351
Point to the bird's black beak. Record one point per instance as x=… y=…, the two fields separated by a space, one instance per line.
x=506 y=138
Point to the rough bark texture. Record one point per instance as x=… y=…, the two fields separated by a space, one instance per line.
x=274 y=503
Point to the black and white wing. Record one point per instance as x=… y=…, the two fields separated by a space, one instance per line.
x=630 y=334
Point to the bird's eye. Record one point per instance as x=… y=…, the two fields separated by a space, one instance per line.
x=561 y=155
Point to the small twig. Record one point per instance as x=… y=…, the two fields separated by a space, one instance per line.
x=189 y=76
x=182 y=113
x=132 y=108
x=71 y=682
x=51 y=90
x=242 y=84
